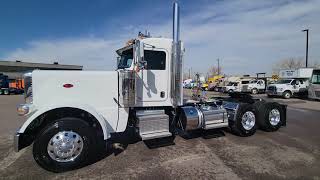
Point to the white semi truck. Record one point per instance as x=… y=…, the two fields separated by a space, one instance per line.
x=292 y=83
x=68 y=120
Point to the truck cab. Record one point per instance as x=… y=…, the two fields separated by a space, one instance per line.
x=288 y=87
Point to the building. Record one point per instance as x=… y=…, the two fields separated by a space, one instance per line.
x=15 y=69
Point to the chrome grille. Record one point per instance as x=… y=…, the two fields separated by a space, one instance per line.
x=272 y=88
x=245 y=88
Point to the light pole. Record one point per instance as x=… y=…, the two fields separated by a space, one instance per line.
x=218 y=66
x=307 y=45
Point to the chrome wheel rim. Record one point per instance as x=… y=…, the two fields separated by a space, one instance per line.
x=287 y=95
x=248 y=120
x=274 y=117
x=65 y=146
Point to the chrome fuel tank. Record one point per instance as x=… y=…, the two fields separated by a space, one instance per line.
x=205 y=117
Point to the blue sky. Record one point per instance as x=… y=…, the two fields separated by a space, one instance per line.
x=248 y=35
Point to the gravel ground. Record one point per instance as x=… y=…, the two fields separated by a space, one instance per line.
x=293 y=152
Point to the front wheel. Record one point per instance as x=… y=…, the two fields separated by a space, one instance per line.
x=65 y=144
x=254 y=91
x=287 y=95
x=6 y=92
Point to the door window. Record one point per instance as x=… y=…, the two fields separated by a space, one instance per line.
x=156 y=60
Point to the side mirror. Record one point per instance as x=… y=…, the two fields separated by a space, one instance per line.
x=142 y=64
x=118 y=61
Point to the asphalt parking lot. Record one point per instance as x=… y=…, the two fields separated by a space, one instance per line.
x=293 y=152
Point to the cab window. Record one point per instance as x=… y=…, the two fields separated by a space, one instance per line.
x=156 y=60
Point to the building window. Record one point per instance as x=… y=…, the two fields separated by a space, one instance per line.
x=156 y=60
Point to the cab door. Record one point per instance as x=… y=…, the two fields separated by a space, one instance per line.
x=260 y=85
x=153 y=81
x=296 y=86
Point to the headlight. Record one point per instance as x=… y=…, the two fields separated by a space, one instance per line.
x=28 y=88
x=23 y=109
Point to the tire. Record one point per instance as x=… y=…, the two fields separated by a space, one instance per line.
x=85 y=143
x=287 y=94
x=270 y=116
x=230 y=91
x=6 y=92
x=237 y=127
x=254 y=91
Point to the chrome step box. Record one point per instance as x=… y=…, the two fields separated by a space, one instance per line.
x=153 y=124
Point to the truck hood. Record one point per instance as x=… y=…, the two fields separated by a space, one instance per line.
x=278 y=85
x=94 y=88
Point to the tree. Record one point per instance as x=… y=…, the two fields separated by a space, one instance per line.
x=213 y=71
x=289 y=63
x=293 y=63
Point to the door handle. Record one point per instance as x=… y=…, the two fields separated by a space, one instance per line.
x=162 y=94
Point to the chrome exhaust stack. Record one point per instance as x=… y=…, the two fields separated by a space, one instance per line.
x=176 y=64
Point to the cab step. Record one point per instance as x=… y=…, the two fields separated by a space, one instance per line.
x=153 y=124
x=155 y=135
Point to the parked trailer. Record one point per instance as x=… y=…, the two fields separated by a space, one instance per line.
x=68 y=126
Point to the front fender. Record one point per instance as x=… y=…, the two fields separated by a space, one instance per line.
x=38 y=112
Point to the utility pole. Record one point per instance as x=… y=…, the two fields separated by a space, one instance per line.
x=218 y=66
x=307 y=45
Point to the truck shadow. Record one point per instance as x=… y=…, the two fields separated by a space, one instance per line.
x=119 y=142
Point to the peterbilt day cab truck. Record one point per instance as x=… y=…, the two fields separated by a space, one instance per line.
x=291 y=83
x=67 y=121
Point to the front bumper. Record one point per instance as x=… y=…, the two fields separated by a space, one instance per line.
x=16 y=142
x=21 y=140
x=274 y=93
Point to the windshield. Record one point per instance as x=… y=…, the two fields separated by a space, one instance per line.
x=315 y=77
x=253 y=82
x=232 y=84
x=126 y=59
x=284 y=81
